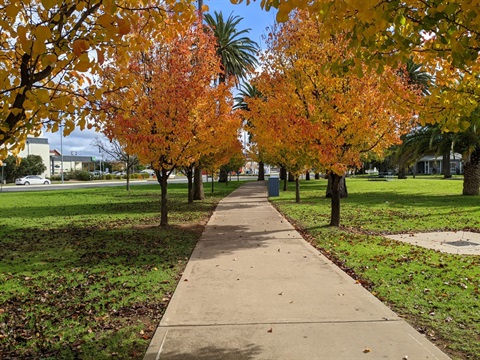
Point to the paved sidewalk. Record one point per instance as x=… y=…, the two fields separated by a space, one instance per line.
x=254 y=289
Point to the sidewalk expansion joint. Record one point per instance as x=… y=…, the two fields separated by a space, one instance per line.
x=283 y=323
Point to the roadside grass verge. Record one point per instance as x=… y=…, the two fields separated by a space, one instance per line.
x=87 y=273
x=437 y=293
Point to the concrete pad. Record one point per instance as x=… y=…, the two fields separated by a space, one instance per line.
x=459 y=242
x=339 y=341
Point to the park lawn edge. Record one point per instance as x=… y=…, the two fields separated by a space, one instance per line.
x=336 y=245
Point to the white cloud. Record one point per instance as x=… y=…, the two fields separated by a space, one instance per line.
x=78 y=141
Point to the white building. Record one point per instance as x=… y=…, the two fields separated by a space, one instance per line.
x=434 y=164
x=38 y=146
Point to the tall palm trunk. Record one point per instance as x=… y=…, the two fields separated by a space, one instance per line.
x=471 y=174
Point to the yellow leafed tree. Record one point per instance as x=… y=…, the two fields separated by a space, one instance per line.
x=51 y=52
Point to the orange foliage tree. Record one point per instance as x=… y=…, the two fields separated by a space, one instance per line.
x=321 y=117
x=170 y=113
x=442 y=35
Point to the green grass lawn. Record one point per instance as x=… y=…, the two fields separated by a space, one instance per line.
x=87 y=273
x=437 y=293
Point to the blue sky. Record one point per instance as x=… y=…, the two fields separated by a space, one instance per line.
x=254 y=18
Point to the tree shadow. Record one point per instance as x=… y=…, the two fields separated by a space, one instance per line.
x=214 y=353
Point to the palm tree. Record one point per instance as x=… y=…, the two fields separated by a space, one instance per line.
x=419 y=142
x=416 y=76
x=237 y=52
x=246 y=92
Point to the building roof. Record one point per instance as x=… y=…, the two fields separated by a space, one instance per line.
x=453 y=157
x=31 y=140
x=72 y=158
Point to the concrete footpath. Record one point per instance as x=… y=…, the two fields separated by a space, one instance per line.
x=254 y=289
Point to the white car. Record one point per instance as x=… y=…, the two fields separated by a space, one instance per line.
x=32 y=180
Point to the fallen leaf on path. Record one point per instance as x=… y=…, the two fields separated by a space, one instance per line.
x=270 y=330
x=367 y=350
x=280 y=293
x=185 y=280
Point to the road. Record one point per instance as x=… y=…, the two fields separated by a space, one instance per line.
x=98 y=184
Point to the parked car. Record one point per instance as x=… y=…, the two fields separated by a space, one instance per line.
x=32 y=180
x=148 y=171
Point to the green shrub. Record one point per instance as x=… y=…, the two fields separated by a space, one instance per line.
x=145 y=175
x=108 y=177
x=82 y=175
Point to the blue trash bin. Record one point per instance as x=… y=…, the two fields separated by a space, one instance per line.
x=273 y=186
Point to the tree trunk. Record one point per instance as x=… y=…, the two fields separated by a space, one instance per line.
x=402 y=172
x=223 y=177
x=307 y=175
x=342 y=187
x=261 y=171
x=190 y=184
x=317 y=176
x=162 y=179
x=128 y=178
x=291 y=177
x=198 y=193
x=446 y=165
x=297 y=189
x=336 y=181
x=213 y=182
x=471 y=174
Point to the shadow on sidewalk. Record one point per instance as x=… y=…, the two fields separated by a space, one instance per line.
x=215 y=353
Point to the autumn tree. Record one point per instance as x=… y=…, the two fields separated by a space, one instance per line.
x=339 y=117
x=442 y=35
x=51 y=52
x=167 y=114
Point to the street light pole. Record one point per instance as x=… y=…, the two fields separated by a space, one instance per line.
x=61 y=150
